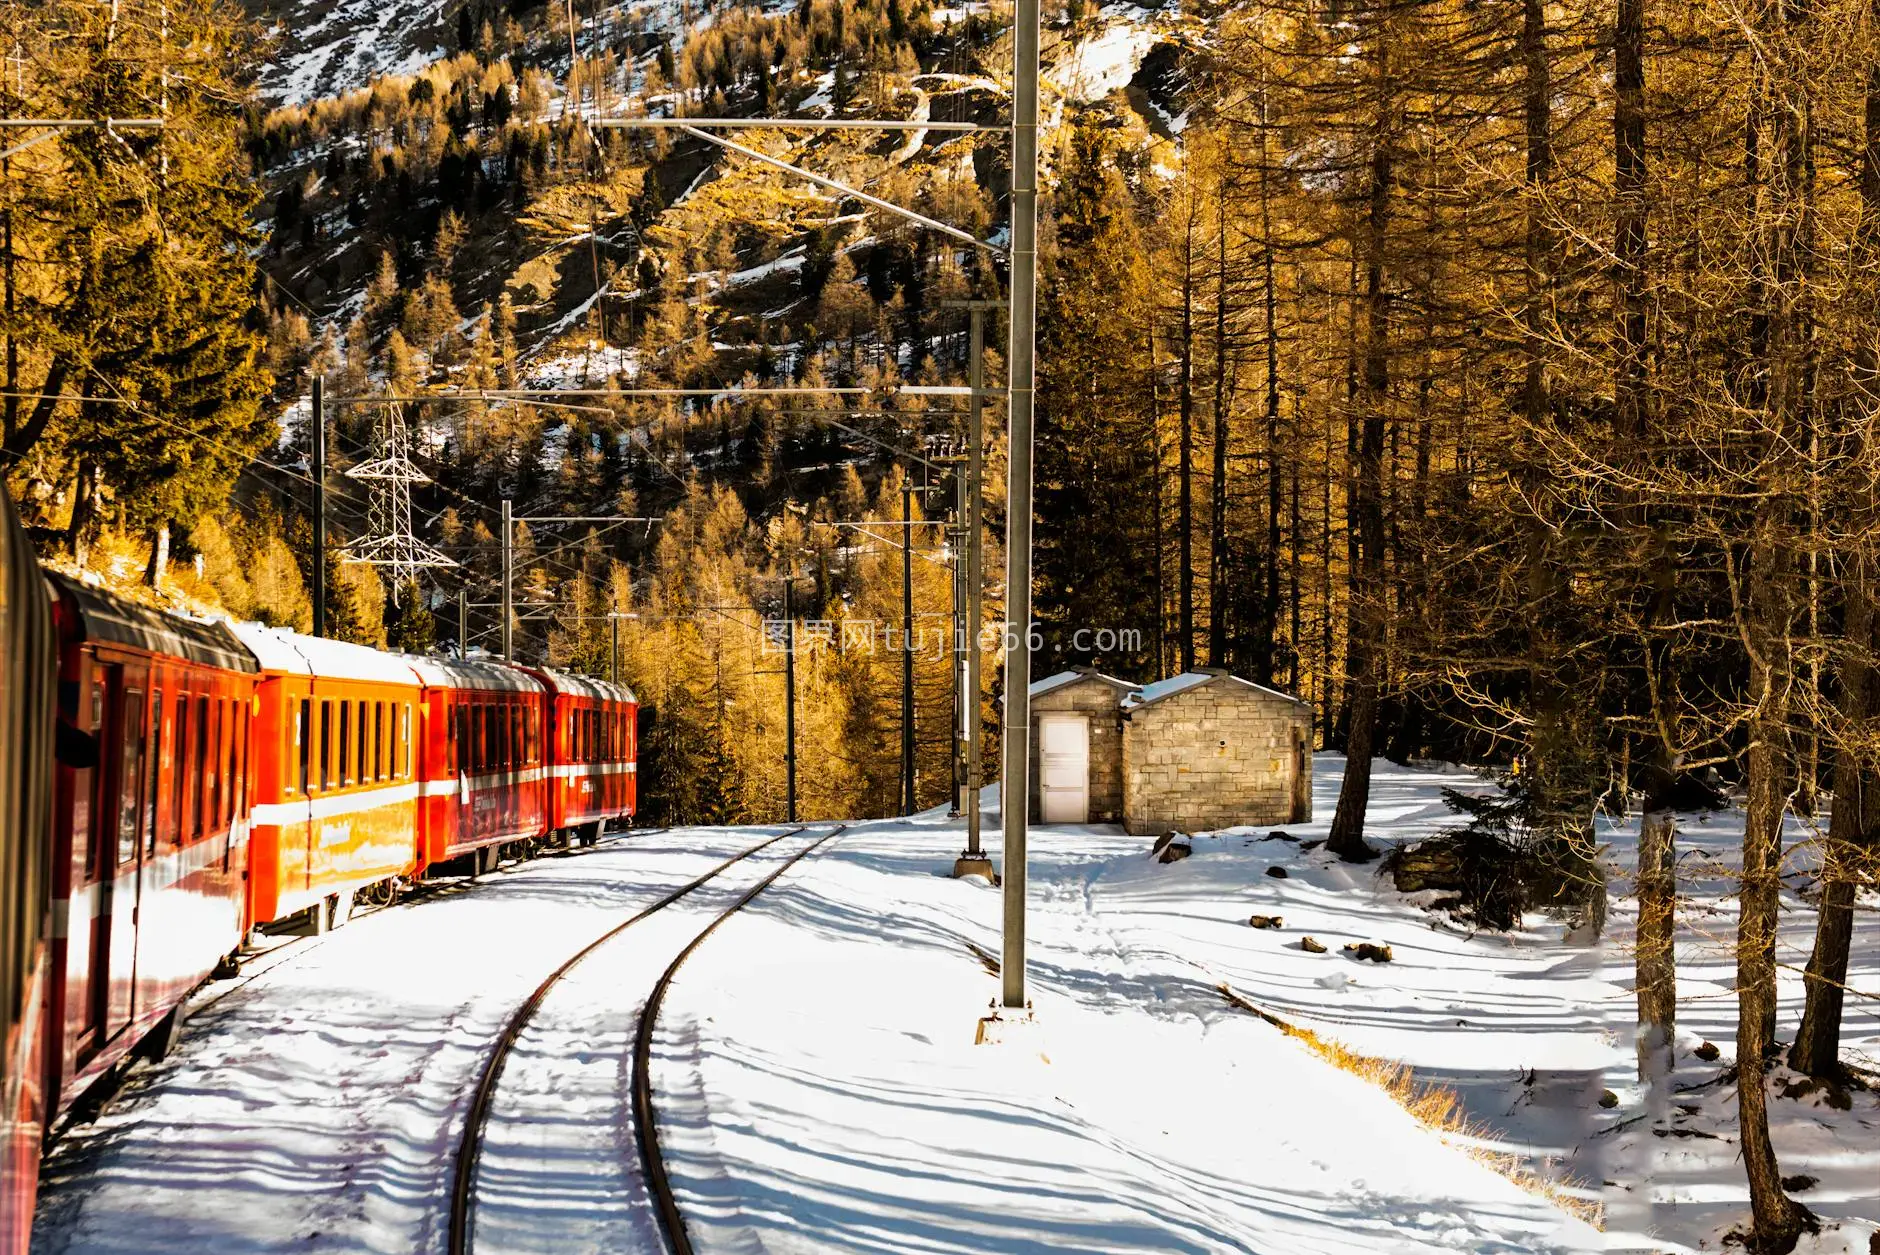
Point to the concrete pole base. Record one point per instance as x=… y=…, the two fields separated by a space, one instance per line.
x=1012 y=1027
x=975 y=865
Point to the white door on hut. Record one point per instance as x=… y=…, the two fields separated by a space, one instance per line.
x=1064 y=769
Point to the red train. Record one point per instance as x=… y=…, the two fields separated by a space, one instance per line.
x=175 y=784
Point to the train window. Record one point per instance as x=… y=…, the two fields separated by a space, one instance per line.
x=343 y=776
x=515 y=736
x=365 y=742
x=303 y=739
x=229 y=741
x=179 y=792
x=212 y=730
x=238 y=756
x=130 y=774
x=189 y=743
x=326 y=744
x=378 y=740
x=156 y=772
x=404 y=743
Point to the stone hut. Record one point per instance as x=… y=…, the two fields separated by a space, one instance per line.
x=1207 y=749
x=1077 y=747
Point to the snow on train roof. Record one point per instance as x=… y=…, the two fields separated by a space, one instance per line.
x=586 y=686
x=288 y=652
x=107 y=617
x=471 y=673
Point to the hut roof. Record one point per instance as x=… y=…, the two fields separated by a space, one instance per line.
x=1149 y=694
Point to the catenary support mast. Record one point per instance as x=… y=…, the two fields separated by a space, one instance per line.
x=1016 y=741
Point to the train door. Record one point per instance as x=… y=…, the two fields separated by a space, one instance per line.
x=91 y=867
x=148 y=966
x=121 y=843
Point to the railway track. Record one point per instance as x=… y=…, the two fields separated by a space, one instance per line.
x=470 y=1145
x=645 y=1123
x=292 y=948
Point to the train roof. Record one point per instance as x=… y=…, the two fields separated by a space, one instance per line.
x=584 y=686
x=290 y=653
x=471 y=673
x=104 y=616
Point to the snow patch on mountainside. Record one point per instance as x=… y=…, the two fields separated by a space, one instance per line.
x=332 y=48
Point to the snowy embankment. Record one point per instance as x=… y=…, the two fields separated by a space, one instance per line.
x=823 y=1091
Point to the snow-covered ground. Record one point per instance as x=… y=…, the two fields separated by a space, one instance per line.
x=820 y=1088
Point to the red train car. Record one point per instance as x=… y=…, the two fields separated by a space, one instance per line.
x=150 y=840
x=175 y=783
x=483 y=756
x=337 y=781
x=28 y=684
x=592 y=753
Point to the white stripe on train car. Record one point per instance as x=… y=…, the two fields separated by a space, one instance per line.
x=574 y=771
x=454 y=785
x=277 y=814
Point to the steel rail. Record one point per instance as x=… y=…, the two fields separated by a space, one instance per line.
x=645 y=1119
x=470 y=1145
x=257 y=964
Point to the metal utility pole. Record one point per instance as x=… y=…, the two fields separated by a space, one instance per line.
x=1016 y=743
x=613 y=654
x=907 y=648
x=463 y=624
x=509 y=577
x=318 y=432
x=958 y=532
x=789 y=704
x=974 y=860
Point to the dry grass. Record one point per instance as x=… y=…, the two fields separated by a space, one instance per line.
x=1435 y=1107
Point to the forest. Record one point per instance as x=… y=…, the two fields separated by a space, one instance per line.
x=1500 y=376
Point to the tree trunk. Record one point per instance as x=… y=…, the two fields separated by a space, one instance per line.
x=1155 y=446
x=1855 y=817
x=1186 y=454
x=1851 y=825
x=1780 y=104
x=1265 y=666
x=1656 y=972
x=1217 y=488
x=1656 y=977
x=1346 y=838
x=1778 y=1220
x=159 y=564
